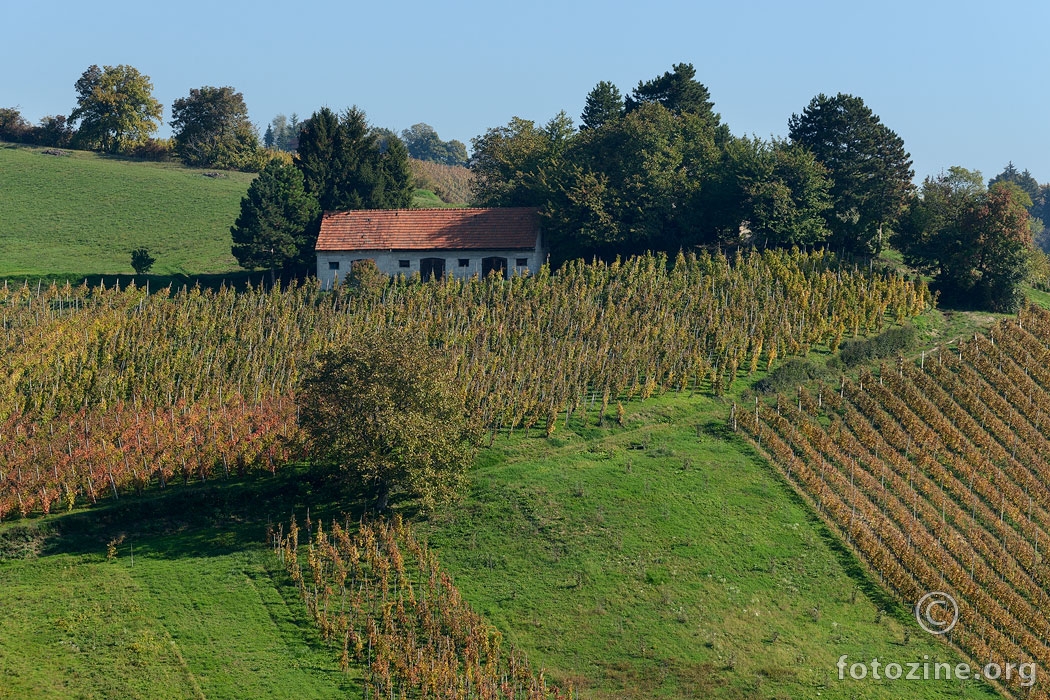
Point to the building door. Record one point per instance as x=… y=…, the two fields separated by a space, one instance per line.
x=494 y=264
x=432 y=267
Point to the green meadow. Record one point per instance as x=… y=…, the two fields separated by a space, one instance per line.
x=81 y=214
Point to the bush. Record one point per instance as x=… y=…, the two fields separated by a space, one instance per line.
x=159 y=150
x=791 y=374
x=890 y=343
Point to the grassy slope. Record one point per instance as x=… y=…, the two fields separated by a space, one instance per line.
x=664 y=560
x=193 y=605
x=82 y=214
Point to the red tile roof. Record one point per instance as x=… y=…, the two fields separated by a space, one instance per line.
x=430 y=229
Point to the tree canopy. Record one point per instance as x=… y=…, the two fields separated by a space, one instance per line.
x=115 y=108
x=976 y=242
x=345 y=165
x=423 y=143
x=870 y=172
x=383 y=409
x=678 y=91
x=211 y=129
x=661 y=173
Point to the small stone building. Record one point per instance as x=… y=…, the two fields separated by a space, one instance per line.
x=432 y=242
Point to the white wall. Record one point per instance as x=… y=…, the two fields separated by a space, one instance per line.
x=388 y=262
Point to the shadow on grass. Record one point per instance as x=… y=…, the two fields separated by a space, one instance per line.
x=239 y=280
x=201 y=520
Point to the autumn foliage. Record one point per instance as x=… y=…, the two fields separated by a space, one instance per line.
x=935 y=472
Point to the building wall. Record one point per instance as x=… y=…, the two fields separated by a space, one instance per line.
x=390 y=262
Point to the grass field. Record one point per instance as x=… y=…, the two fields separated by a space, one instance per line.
x=81 y=214
x=664 y=560
x=193 y=605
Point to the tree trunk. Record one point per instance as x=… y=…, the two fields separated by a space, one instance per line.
x=382 y=495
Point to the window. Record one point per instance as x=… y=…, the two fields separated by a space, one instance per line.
x=333 y=264
x=432 y=267
x=494 y=264
x=464 y=262
x=404 y=263
x=521 y=262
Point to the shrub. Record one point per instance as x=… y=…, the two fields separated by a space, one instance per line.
x=790 y=375
x=889 y=343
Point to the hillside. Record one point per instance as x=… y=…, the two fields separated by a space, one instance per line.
x=652 y=558
x=934 y=471
x=82 y=213
x=664 y=559
x=661 y=559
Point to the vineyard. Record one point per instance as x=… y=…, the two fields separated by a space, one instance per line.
x=114 y=390
x=382 y=594
x=935 y=473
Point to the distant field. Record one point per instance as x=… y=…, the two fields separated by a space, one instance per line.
x=83 y=213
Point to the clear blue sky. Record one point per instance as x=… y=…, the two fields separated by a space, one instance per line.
x=963 y=83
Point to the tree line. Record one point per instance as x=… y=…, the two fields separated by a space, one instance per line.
x=658 y=169
x=116 y=113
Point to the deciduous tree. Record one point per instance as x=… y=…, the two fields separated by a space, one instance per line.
x=774 y=193
x=424 y=143
x=115 y=108
x=976 y=242
x=384 y=409
x=212 y=130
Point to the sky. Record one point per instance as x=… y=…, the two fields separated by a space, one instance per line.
x=963 y=83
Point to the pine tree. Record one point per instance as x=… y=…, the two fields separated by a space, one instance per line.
x=604 y=103
x=870 y=170
x=274 y=230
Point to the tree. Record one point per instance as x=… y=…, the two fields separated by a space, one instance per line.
x=1024 y=180
x=54 y=131
x=976 y=242
x=632 y=185
x=678 y=91
x=345 y=167
x=115 y=108
x=142 y=261
x=512 y=164
x=282 y=133
x=870 y=170
x=393 y=186
x=384 y=409
x=13 y=126
x=423 y=143
x=212 y=130
x=774 y=193
x=1000 y=246
x=604 y=104
x=274 y=229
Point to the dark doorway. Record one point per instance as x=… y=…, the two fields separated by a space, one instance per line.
x=432 y=267
x=494 y=264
